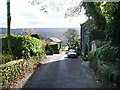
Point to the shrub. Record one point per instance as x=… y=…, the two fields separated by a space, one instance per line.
x=101 y=43
x=85 y=58
x=22 y=46
x=36 y=36
x=56 y=48
x=93 y=60
x=91 y=55
x=6 y=58
x=85 y=50
x=108 y=53
x=10 y=70
x=110 y=72
x=102 y=61
x=49 y=50
x=13 y=69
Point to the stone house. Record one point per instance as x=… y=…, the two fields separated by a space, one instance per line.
x=85 y=39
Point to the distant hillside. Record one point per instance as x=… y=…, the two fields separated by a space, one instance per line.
x=45 y=32
x=13 y=31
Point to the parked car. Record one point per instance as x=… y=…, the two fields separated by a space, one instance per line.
x=72 y=53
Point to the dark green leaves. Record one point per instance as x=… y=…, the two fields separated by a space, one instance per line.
x=23 y=46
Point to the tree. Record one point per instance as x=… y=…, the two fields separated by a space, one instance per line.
x=105 y=17
x=94 y=32
x=111 y=12
x=93 y=9
x=71 y=35
x=46 y=5
x=73 y=11
x=29 y=31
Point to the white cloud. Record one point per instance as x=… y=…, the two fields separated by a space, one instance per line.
x=25 y=15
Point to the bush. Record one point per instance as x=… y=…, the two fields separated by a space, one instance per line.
x=36 y=36
x=91 y=55
x=102 y=62
x=86 y=50
x=101 y=43
x=108 y=53
x=93 y=60
x=22 y=46
x=56 y=48
x=110 y=72
x=6 y=58
x=85 y=58
x=13 y=69
x=49 y=50
x=10 y=71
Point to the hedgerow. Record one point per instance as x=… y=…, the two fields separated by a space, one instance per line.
x=22 y=46
x=106 y=60
x=14 y=69
x=49 y=50
x=36 y=36
x=109 y=53
x=56 y=48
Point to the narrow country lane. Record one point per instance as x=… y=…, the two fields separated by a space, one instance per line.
x=62 y=72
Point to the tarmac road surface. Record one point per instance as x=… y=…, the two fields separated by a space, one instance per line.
x=62 y=72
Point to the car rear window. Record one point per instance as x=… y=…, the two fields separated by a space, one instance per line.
x=72 y=51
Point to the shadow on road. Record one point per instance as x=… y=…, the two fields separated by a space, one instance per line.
x=64 y=73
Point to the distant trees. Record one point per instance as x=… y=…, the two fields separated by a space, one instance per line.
x=34 y=33
x=71 y=35
x=105 y=15
x=29 y=31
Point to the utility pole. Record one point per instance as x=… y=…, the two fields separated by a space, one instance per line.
x=8 y=26
x=81 y=34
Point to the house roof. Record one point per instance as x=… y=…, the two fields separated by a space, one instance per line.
x=54 y=39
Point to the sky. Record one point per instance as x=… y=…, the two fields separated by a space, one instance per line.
x=25 y=15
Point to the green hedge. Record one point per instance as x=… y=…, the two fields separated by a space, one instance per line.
x=23 y=46
x=109 y=53
x=91 y=55
x=93 y=60
x=102 y=59
x=101 y=43
x=49 y=50
x=13 y=69
x=36 y=36
x=111 y=72
x=106 y=53
x=56 y=48
x=6 y=58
